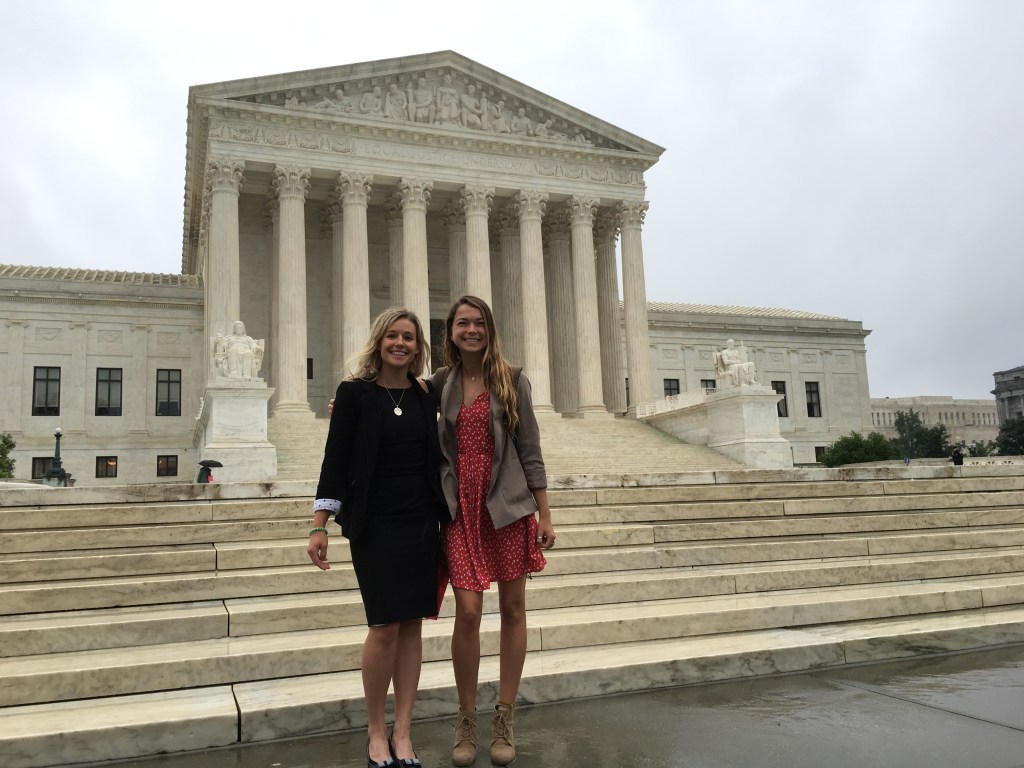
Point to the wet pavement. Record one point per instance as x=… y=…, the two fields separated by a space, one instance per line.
x=952 y=711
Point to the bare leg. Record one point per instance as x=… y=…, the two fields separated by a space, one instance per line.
x=407 y=680
x=466 y=645
x=512 y=603
x=378 y=663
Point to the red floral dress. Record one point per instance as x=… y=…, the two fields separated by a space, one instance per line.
x=477 y=553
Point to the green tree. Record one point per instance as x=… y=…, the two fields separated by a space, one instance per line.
x=1011 y=437
x=982 y=448
x=916 y=440
x=854 y=448
x=6 y=462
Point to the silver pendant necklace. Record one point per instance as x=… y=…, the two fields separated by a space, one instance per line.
x=398 y=410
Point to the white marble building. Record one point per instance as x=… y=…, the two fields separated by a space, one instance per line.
x=1009 y=393
x=966 y=421
x=315 y=199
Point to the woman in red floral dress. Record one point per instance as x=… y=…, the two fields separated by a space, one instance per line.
x=496 y=487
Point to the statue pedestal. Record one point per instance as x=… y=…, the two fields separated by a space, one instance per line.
x=232 y=428
x=743 y=423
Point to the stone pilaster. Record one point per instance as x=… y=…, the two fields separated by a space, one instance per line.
x=396 y=256
x=612 y=375
x=561 y=316
x=336 y=215
x=476 y=201
x=584 y=285
x=136 y=404
x=631 y=217
x=223 y=182
x=353 y=189
x=14 y=387
x=272 y=218
x=455 y=223
x=529 y=205
x=291 y=184
x=511 y=284
x=415 y=194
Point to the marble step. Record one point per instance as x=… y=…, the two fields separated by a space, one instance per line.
x=126 y=726
x=54 y=677
x=99 y=563
x=113 y=515
x=31 y=634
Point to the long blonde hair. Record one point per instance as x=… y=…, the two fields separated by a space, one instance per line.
x=496 y=370
x=368 y=362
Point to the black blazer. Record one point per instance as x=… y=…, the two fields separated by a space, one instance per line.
x=353 y=440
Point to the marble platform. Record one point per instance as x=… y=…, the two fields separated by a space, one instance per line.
x=188 y=618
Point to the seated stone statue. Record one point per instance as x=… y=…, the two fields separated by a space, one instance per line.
x=237 y=356
x=733 y=368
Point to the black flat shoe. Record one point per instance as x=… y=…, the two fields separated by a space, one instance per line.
x=386 y=763
x=405 y=762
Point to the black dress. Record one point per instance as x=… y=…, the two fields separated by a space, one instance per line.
x=395 y=555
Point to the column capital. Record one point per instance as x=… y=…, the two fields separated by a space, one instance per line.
x=392 y=210
x=354 y=188
x=476 y=199
x=334 y=211
x=631 y=213
x=224 y=174
x=415 y=192
x=291 y=181
x=556 y=224
x=530 y=204
x=582 y=209
x=454 y=217
x=606 y=227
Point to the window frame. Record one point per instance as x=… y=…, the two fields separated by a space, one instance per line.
x=782 y=407
x=110 y=410
x=49 y=386
x=670 y=384
x=167 y=459
x=168 y=385
x=812 y=392
x=106 y=462
x=706 y=384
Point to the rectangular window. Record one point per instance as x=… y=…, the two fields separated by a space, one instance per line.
x=309 y=368
x=168 y=392
x=783 y=406
x=40 y=466
x=671 y=387
x=166 y=466
x=708 y=384
x=46 y=392
x=819 y=453
x=813 y=399
x=108 y=391
x=106 y=466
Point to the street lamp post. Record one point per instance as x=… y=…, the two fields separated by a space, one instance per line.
x=56 y=477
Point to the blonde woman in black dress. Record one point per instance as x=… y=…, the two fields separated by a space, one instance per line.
x=379 y=480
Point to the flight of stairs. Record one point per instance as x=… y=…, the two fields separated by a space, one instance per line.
x=144 y=619
x=571 y=446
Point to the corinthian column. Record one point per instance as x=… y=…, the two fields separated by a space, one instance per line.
x=561 y=317
x=613 y=383
x=396 y=256
x=584 y=285
x=455 y=222
x=336 y=216
x=477 y=202
x=223 y=182
x=415 y=195
x=529 y=205
x=291 y=184
x=631 y=218
x=509 y=290
x=353 y=189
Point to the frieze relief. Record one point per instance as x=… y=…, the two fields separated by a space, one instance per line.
x=109 y=337
x=434 y=98
x=323 y=142
x=47 y=334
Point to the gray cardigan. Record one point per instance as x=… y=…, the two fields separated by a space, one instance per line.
x=517 y=468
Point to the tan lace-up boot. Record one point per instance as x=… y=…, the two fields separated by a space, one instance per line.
x=466 y=739
x=503 y=741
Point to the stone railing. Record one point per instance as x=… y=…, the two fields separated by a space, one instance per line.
x=673 y=403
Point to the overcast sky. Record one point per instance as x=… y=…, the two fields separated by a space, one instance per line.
x=859 y=158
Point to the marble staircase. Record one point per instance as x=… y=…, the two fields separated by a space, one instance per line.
x=572 y=446
x=143 y=620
